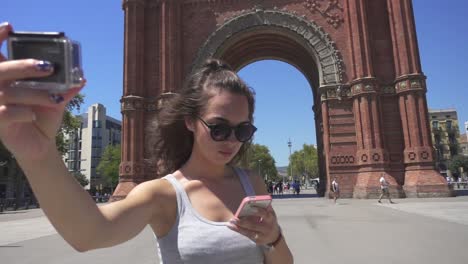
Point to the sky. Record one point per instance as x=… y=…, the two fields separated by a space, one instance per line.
x=98 y=25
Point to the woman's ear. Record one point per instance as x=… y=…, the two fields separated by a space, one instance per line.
x=189 y=123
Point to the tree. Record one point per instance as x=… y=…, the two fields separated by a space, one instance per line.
x=81 y=178
x=70 y=123
x=457 y=163
x=304 y=162
x=259 y=159
x=109 y=165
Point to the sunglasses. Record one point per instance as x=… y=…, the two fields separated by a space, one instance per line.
x=221 y=132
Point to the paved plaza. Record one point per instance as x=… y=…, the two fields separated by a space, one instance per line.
x=318 y=231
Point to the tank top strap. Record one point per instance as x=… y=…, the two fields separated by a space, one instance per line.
x=245 y=181
x=179 y=189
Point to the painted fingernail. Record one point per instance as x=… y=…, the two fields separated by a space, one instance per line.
x=4 y=24
x=44 y=66
x=56 y=98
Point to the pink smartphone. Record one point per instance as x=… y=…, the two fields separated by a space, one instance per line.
x=248 y=204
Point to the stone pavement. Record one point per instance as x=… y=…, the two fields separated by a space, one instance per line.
x=318 y=231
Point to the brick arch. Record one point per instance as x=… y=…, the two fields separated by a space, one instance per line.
x=360 y=56
x=296 y=35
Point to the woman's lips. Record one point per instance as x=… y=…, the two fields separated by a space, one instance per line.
x=225 y=153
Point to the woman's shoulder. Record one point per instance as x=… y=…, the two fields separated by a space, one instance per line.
x=158 y=192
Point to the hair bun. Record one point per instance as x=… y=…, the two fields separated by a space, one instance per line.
x=216 y=65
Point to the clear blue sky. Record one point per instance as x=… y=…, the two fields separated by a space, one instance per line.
x=98 y=25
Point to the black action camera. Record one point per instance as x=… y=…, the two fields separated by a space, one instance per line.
x=54 y=47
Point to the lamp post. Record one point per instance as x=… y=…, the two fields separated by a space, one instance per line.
x=259 y=172
x=290 y=164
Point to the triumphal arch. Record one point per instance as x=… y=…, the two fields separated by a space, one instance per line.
x=360 y=57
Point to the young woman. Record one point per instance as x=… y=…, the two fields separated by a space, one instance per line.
x=203 y=131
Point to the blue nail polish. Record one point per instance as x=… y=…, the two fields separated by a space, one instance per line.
x=56 y=98
x=44 y=66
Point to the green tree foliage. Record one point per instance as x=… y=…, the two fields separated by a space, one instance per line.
x=260 y=160
x=109 y=165
x=304 y=162
x=81 y=178
x=457 y=163
x=70 y=123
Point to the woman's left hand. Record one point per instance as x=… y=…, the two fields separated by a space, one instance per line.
x=262 y=227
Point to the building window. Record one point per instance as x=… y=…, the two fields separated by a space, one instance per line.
x=448 y=124
x=96 y=124
x=435 y=124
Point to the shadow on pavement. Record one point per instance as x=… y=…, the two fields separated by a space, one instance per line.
x=289 y=196
x=461 y=192
x=13 y=212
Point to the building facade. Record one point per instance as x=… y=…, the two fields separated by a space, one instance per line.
x=87 y=144
x=361 y=58
x=445 y=137
x=464 y=144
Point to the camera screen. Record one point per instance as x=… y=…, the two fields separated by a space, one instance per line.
x=43 y=50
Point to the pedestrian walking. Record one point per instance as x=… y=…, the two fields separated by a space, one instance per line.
x=203 y=130
x=335 y=190
x=384 y=189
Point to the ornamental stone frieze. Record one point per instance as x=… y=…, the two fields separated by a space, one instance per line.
x=334 y=92
x=331 y=10
x=422 y=154
x=410 y=83
x=132 y=103
x=372 y=156
x=364 y=86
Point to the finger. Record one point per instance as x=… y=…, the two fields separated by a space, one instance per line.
x=27 y=68
x=72 y=92
x=26 y=96
x=16 y=114
x=252 y=234
x=5 y=28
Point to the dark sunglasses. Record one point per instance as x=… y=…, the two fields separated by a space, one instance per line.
x=221 y=132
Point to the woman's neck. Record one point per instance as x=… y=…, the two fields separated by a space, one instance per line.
x=197 y=168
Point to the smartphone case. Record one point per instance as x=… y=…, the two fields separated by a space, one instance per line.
x=248 y=204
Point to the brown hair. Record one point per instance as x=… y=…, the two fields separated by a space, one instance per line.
x=173 y=141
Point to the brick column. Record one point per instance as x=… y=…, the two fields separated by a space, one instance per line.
x=131 y=168
x=421 y=179
x=371 y=156
x=325 y=180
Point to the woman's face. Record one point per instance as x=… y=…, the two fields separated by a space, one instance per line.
x=223 y=107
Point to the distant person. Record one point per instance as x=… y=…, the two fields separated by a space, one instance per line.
x=384 y=189
x=335 y=189
x=280 y=187
x=297 y=188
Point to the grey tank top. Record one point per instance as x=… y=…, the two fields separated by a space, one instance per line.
x=194 y=239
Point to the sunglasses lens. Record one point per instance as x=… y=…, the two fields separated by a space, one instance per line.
x=220 y=132
x=245 y=131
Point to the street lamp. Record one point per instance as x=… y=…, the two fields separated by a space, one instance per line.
x=259 y=161
x=290 y=164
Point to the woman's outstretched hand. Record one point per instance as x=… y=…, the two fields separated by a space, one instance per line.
x=29 y=118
